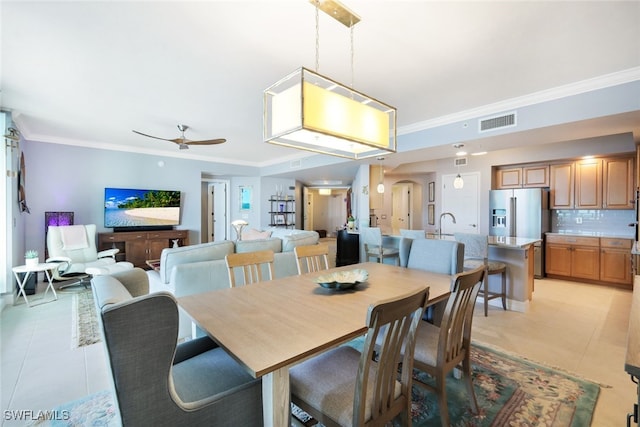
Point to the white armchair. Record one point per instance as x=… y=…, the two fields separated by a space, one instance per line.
x=74 y=248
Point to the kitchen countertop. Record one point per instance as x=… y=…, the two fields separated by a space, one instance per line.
x=512 y=242
x=498 y=241
x=592 y=234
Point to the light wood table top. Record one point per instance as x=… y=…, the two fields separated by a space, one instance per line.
x=272 y=325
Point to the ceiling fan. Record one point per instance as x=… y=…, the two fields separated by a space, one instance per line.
x=183 y=142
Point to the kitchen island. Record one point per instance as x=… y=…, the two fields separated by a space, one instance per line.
x=518 y=254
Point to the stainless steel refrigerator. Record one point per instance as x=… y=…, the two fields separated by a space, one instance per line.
x=521 y=213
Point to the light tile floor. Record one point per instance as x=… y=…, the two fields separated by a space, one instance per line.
x=576 y=327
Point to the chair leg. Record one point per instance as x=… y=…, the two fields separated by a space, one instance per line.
x=504 y=290
x=485 y=288
x=466 y=367
x=441 y=391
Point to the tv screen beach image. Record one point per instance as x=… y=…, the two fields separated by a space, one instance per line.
x=133 y=208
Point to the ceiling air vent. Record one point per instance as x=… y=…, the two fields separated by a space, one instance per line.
x=497 y=122
x=294 y=164
x=460 y=161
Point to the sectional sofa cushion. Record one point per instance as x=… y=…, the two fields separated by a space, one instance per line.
x=194 y=253
x=289 y=242
x=271 y=244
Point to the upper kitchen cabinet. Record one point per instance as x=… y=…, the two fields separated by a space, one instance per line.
x=605 y=183
x=530 y=176
x=588 y=184
x=561 y=186
x=617 y=183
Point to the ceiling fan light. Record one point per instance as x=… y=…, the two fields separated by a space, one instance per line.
x=458 y=182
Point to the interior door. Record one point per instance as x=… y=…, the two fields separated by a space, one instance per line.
x=463 y=203
x=307 y=211
x=218 y=224
x=401 y=207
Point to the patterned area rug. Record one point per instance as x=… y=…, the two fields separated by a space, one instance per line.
x=85 y=327
x=510 y=391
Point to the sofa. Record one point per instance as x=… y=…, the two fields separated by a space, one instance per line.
x=201 y=268
x=158 y=382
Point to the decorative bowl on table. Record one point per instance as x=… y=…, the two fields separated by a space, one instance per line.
x=342 y=280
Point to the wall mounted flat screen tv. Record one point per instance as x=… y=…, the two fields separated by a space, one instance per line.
x=136 y=209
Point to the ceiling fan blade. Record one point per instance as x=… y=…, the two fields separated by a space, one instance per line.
x=207 y=142
x=151 y=136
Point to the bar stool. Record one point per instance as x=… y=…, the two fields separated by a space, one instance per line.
x=476 y=253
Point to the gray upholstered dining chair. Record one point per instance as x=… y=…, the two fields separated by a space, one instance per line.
x=476 y=254
x=160 y=383
x=373 y=247
x=311 y=258
x=345 y=387
x=251 y=266
x=440 y=349
x=413 y=234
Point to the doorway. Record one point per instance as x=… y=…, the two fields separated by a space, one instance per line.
x=462 y=203
x=217 y=207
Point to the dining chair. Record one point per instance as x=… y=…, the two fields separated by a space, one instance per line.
x=440 y=349
x=251 y=265
x=476 y=253
x=413 y=234
x=373 y=247
x=345 y=387
x=312 y=258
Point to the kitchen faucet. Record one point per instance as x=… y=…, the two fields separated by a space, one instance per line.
x=453 y=218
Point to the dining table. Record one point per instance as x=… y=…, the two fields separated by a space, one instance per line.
x=270 y=326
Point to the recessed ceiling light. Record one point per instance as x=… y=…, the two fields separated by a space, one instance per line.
x=479 y=153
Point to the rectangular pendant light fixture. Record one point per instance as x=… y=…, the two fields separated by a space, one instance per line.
x=308 y=111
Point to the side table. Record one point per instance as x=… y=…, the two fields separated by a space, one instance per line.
x=27 y=270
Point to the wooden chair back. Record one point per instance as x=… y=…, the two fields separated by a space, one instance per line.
x=251 y=265
x=455 y=328
x=396 y=322
x=312 y=258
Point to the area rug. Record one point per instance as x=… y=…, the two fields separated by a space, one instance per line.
x=93 y=410
x=84 y=320
x=510 y=391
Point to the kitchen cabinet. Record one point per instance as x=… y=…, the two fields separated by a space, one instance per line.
x=573 y=257
x=618 y=183
x=561 y=186
x=606 y=183
x=531 y=176
x=615 y=261
x=588 y=184
x=598 y=260
x=139 y=246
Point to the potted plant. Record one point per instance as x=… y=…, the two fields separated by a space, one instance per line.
x=31 y=258
x=351 y=222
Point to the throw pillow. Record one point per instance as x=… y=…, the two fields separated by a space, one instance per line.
x=253 y=234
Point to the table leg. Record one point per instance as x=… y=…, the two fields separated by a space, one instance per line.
x=276 y=398
x=21 y=284
x=50 y=285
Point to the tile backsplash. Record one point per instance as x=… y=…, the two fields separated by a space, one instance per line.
x=611 y=221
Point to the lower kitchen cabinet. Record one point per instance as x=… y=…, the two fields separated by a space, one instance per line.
x=615 y=261
x=589 y=259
